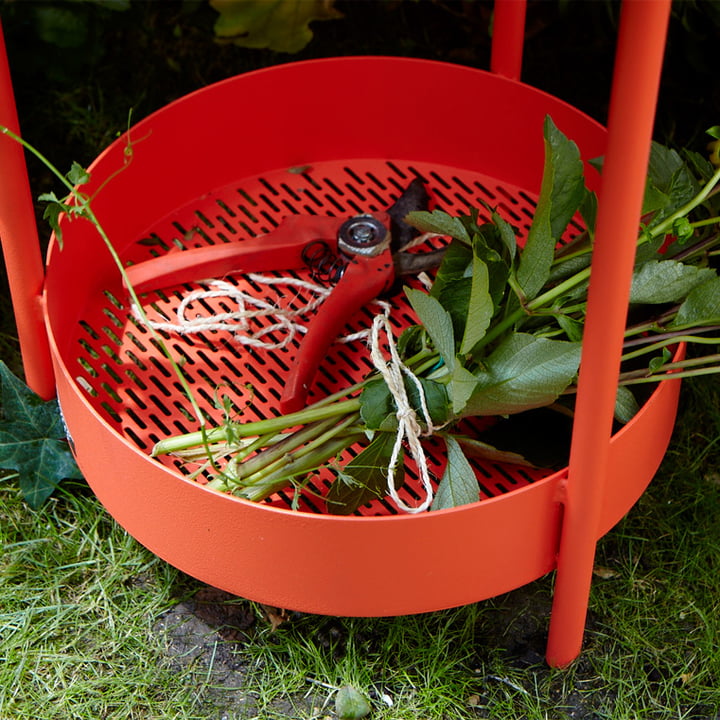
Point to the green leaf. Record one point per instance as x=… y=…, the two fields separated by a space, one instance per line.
x=78 y=175
x=350 y=704
x=364 y=478
x=670 y=183
x=378 y=410
x=507 y=235
x=459 y=484
x=32 y=440
x=439 y=222
x=561 y=193
x=571 y=327
x=437 y=322
x=460 y=388
x=665 y=281
x=480 y=308
x=626 y=406
x=279 y=25
x=701 y=306
x=523 y=372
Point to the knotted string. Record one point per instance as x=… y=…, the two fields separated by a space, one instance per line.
x=251 y=308
x=409 y=429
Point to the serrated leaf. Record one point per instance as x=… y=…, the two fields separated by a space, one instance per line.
x=670 y=183
x=279 y=25
x=700 y=307
x=460 y=388
x=665 y=281
x=561 y=193
x=522 y=373
x=459 y=484
x=507 y=235
x=438 y=222
x=436 y=321
x=32 y=440
x=480 y=308
x=571 y=327
x=363 y=478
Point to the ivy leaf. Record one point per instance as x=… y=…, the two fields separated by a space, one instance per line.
x=32 y=440
x=523 y=372
x=561 y=193
x=459 y=484
x=364 y=478
x=437 y=322
x=279 y=25
x=656 y=282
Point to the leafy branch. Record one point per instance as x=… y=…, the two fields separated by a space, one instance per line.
x=500 y=333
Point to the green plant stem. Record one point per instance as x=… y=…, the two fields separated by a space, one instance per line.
x=659 y=345
x=330 y=438
x=88 y=213
x=319 y=411
x=267 y=458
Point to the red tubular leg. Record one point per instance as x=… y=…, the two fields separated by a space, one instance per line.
x=641 y=42
x=508 y=37
x=21 y=248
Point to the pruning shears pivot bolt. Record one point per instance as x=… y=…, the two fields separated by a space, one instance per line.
x=363 y=235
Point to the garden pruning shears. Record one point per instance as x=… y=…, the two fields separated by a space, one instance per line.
x=361 y=254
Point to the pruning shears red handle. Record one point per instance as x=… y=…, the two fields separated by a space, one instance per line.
x=361 y=241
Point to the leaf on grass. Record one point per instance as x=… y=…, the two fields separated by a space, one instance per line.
x=351 y=704
x=561 y=193
x=437 y=322
x=364 y=478
x=665 y=281
x=279 y=25
x=438 y=222
x=459 y=484
x=32 y=440
x=522 y=373
x=700 y=307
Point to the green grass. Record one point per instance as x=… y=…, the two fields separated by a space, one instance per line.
x=79 y=600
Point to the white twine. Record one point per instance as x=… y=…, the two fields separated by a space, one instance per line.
x=250 y=307
x=408 y=426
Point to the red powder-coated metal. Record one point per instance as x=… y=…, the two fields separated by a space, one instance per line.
x=641 y=43
x=21 y=249
x=225 y=165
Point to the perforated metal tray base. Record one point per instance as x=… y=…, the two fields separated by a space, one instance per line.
x=129 y=381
